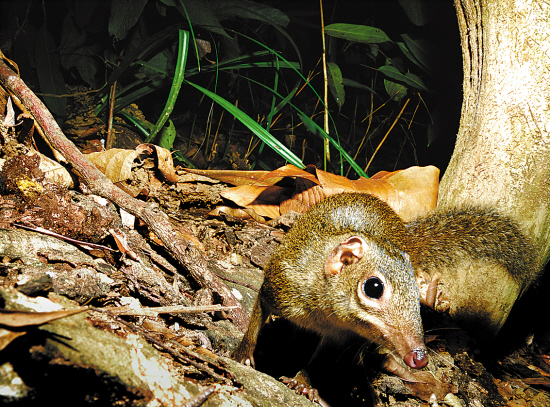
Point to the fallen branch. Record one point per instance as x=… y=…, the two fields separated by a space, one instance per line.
x=202 y=366
x=176 y=309
x=188 y=255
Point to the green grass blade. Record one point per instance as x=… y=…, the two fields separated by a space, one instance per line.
x=308 y=84
x=258 y=130
x=315 y=129
x=183 y=48
x=140 y=125
x=182 y=5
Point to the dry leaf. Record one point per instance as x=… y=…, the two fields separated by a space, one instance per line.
x=237 y=178
x=9 y=119
x=55 y=172
x=115 y=163
x=6 y=337
x=203 y=47
x=165 y=162
x=411 y=192
x=238 y=213
x=246 y=195
x=18 y=319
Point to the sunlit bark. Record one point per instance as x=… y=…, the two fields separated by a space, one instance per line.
x=501 y=158
x=502 y=152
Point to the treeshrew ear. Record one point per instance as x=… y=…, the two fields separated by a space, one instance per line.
x=349 y=251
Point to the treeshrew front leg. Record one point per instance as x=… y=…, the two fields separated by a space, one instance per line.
x=244 y=353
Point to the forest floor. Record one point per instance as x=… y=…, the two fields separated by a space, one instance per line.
x=103 y=307
x=143 y=338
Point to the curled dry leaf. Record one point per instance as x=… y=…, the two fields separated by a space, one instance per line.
x=55 y=172
x=165 y=162
x=411 y=192
x=115 y=163
x=238 y=213
x=17 y=319
x=204 y=47
x=6 y=337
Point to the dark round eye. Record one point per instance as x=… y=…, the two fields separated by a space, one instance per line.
x=373 y=287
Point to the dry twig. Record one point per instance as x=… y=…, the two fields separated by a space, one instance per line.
x=183 y=249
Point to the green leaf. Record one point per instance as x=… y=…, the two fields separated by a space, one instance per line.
x=183 y=47
x=421 y=51
x=48 y=72
x=124 y=15
x=414 y=81
x=353 y=84
x=157 y=64
x=418 y=11
x=405 y=50
x=86 y=62
x=254 y=127
x=397 y=91
x=167 y=136
x=374 y=50
x=225 y=9
x=335 y=83
x=391 y=72
x=71 y=39
x=358 y=33
x=409 y=79
x=199 y=12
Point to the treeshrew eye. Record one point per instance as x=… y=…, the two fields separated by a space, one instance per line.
x=373 y=287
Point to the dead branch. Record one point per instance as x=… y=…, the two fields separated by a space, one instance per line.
x=184 y=251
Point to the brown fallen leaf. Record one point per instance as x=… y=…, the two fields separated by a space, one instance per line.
x=7 y=337
x=165 y=162
x=411 y=192
x=115 y=163
x=237 y=178
x=55 y=172
x=17 y=319
x=238 y=213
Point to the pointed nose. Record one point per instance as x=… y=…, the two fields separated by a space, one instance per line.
x=416 y=358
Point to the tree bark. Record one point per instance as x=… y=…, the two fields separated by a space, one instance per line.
x=501 y=155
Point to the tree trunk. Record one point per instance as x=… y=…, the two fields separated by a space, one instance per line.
x=501 y=157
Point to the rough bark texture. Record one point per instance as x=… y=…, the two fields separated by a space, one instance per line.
x=502 y=152
x=501 y=155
